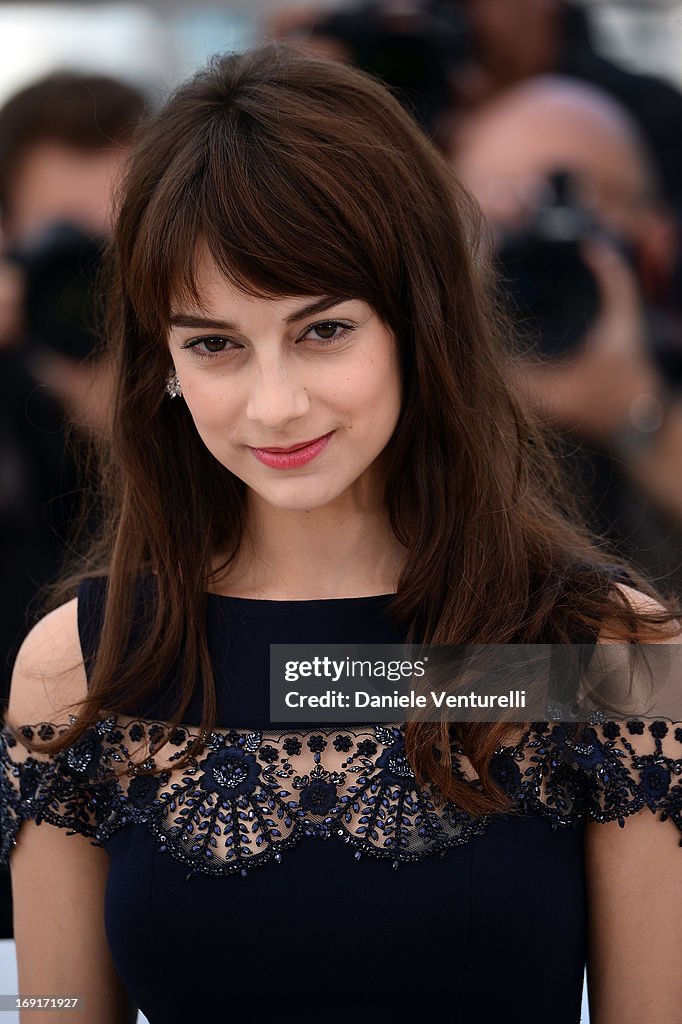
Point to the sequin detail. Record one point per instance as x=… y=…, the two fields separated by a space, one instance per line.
x=253 y=794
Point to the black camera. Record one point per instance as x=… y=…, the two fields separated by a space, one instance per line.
x=61 y=267
x=546 y=281
x=552 y=292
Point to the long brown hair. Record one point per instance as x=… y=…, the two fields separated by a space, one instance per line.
x=304 y=176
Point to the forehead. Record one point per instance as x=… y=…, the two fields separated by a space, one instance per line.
x=53 y=182
x=205 y=287
x=539 y=143
x=511 y=146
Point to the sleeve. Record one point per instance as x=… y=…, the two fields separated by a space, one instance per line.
x=631 y=764
x=70 y=789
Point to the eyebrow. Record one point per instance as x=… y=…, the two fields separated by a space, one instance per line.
x=193 y=320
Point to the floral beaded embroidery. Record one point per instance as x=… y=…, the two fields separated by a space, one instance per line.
x=253 y=794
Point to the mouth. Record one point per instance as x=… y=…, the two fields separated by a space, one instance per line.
x=295 y=456
x=293 y=447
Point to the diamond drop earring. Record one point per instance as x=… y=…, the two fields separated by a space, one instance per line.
x=173 y=388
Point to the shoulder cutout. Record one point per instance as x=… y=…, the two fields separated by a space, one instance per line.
x=49 y=676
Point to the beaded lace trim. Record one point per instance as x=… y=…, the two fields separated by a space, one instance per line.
x=252 y=794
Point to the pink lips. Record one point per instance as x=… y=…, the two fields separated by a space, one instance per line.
x=289 y=458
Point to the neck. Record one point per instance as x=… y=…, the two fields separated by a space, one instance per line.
x=340 y=550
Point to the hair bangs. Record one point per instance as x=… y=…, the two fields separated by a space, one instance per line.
x=275 y=219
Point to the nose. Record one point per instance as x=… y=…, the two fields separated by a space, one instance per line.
x=277 y=395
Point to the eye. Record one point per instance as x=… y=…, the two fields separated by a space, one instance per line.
x=212 y=346
x=329 y=332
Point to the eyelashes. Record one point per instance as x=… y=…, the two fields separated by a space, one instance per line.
x=336 y=325
x=216 y=345
x=208 y=341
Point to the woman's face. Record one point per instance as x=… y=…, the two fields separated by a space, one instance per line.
x=274 y=373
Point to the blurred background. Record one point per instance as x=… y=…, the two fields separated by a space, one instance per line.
x=564 y=120
x=156 y=43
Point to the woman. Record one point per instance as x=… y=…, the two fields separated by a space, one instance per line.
x=314 y=441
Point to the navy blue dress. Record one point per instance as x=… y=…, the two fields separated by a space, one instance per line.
x=299 y=873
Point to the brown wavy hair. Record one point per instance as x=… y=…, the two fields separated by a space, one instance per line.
x=307 y=177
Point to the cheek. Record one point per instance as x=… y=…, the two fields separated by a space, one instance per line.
x=369 y=393
x=378 y=385
x=212 y=406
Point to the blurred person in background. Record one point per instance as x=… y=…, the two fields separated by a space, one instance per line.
x=516 y=39
x=63 y=143
x=448 y=56
x=586 y=247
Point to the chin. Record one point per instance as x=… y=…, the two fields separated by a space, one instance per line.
x=293 y=496
x=296 y=503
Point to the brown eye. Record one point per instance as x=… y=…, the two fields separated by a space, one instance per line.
x=211 y=345
x=326 y=331
x=214 y=344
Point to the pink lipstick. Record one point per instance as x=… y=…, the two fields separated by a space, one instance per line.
x=295 y=455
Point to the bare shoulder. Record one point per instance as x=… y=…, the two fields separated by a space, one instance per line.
x=49 y=675
x=669 y=632
x=639 y=601
x=633 y=862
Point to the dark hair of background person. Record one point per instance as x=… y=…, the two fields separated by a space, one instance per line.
x=412 y=51
x=80 y=111
x=306 y=177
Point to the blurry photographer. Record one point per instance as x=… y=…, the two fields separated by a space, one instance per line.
x=586 y=249
x=513 y=40
x=63 y=144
